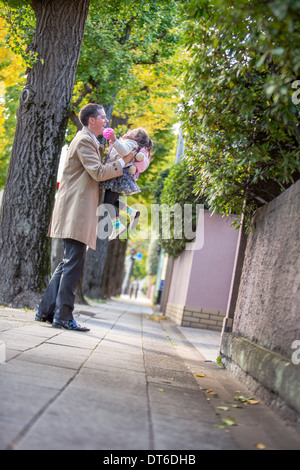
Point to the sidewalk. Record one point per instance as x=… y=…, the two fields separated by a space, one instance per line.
x=133 y=382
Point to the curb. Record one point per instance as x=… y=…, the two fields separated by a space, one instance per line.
x=2 y=352
x=271 y=370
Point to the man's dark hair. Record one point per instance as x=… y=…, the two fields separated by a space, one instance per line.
x=89 y=110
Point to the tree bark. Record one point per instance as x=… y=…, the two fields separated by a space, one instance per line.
x=41 y=124
x=113 y=272
x=93 y=270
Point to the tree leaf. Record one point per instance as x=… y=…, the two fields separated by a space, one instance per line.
x=229 y=421
x=259 y=445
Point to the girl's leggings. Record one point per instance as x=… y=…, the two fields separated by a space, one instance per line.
x=112 y=199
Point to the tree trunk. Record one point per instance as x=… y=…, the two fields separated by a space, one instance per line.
x=31 y=180
x=57 y=253
x=93 y=270
x=113 y=271
x=79 y=297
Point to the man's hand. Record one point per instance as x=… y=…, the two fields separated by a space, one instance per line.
x=129 y=157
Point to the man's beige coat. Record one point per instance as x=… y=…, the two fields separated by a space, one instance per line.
x=75 y=210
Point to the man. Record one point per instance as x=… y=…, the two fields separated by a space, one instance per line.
x=74 y=217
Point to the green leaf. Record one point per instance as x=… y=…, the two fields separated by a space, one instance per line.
x=229 y=421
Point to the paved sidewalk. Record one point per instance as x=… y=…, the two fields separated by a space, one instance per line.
x=207 y=342
x=133 y=382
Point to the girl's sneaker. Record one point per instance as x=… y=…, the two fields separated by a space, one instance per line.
x=134 y=218
x=116 y=231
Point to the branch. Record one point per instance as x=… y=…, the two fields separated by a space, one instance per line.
x=126 y=36
x=152 y=61
x=162 y=35
x=86 y=90
x=74 y=118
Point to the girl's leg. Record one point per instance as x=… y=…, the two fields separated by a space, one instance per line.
x=132 y=213
x=111 y=201
x=124 y=207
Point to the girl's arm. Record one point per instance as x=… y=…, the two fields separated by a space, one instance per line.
x=124 y=147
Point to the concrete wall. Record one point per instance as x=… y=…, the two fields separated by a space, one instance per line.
x=200 y=282
x=267 y=313
x=268 y=305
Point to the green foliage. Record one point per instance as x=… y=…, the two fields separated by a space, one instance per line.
x=11 y=98
x=177 y=192
x=160 y=185
x=152 y=259
x=163 y=151
x=241 y=125
x=119 y=35
x=127 y=58
x=139 y=268
x=20 y=18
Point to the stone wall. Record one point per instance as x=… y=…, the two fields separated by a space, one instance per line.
x=267 y=314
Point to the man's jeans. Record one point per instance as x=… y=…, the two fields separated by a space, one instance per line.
x=59 y=296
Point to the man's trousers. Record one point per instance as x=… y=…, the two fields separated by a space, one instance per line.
x=59 y=297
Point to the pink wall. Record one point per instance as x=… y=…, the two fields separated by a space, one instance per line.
x=180 y=278
x=202 y=278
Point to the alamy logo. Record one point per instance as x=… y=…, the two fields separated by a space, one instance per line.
x=166 y=222
x=295 y=95
x=296 y=354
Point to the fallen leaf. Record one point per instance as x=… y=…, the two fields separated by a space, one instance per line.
x=253 y=402
x=243 y=399
x=160 y=389
x=224 y=408
x=220 y=426
x=259 y=445
x=229 y=421
x=199 y=375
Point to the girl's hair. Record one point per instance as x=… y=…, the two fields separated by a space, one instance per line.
x=141 y=137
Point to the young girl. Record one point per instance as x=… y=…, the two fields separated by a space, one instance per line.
x=136 y=139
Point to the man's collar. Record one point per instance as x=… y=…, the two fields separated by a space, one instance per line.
x=86 y=130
